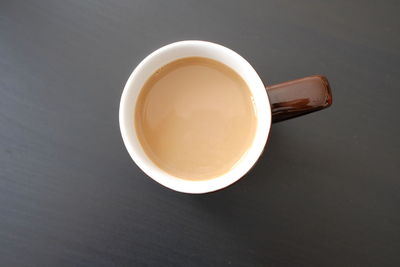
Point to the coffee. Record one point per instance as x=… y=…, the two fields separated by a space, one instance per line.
x=195 y=118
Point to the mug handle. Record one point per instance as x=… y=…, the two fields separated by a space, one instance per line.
x=298 y=97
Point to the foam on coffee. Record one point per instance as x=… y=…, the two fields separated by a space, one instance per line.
x=195 y=118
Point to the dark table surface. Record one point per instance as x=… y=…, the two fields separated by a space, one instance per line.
x=326 y=192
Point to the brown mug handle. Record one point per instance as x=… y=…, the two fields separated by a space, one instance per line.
x=298 y=97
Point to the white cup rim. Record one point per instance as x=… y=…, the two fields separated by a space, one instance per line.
x=183 y=49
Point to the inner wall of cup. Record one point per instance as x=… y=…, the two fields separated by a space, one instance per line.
x=164 y=56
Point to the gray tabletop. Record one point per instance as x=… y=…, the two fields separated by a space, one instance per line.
x=326 y=191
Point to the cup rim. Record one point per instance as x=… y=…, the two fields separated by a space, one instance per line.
x=157 y=59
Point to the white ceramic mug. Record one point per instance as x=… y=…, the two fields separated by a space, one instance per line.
x=182 y=49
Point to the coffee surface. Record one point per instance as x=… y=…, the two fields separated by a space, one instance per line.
x=195 y=118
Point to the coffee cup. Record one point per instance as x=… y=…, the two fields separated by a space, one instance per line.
x=271 y=104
